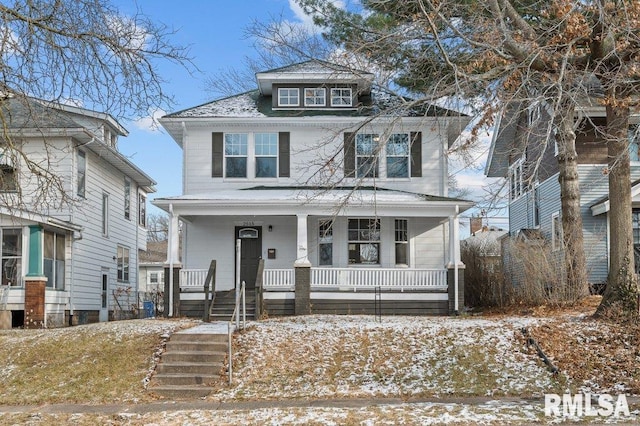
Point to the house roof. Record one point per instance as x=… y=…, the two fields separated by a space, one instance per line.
x=155 y=253
x=263 y=200
x=487 y=241
x=601 y=205
x=30 y=117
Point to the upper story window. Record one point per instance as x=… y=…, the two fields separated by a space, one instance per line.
x=266 y=149
x=8 y=173
x=516 y=180
x=315 y=97
x=82 y=173
x=288 y=97
x=11 y=257
x=142 y=210
x=127 y=198
x=341 y=97
x=366 y=155
x=398 y=152
x=235 y=152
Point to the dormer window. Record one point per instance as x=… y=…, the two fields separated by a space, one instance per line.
x=315 y=97
x=341 y=97
x=288 y=97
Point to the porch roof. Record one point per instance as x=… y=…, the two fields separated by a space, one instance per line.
x=342 y=201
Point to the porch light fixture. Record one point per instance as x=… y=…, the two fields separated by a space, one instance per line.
x=270 y=228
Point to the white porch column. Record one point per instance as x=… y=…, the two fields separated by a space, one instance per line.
x=302 y=251
x=454 y=255
x=173 y=260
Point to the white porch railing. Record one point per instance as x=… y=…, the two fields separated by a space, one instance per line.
x=192 y=279
x=278 y=279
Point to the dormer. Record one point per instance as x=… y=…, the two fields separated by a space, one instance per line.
x=314 y=85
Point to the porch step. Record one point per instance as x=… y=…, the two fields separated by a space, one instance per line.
x=191 y=363
x=225 y=302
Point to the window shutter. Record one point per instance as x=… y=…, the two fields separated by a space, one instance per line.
x=283 y=154
x=217 y=145
x=416 y=154
x=349 y=154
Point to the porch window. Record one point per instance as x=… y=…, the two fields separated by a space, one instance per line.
x=398 y=156
x=402 y=242
x=54 y=259
x=366 y=155
x=123 y=264
x=288 y=97
x=364 y=241
x=325 y=242
x=11 y=257
x=315 y=97
x=235 y=152
x=266 y=149
x=341 y=97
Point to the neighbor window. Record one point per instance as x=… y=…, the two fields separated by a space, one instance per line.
x=153 y=278
x=398 y=152
x=235 y=152
x=82 y=173
x=142 y=210
x=635 y=219
x=634 y=140
x=127 y=198
x=364 y=241
x=325 y=242
x=556 y=231
x=54 y=254
x=288 y=97
x=105 y=214
x=366 y=153
x=123 y=264
x=314 y=97
x=341 y=97
x=266 y=152
x=11 y=257
x=402 y=242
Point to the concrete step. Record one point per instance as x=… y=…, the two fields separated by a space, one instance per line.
x=182 y=379
x=196 y=368
x=203 y=357
x=196 y=346
x=182 y=392
x=199 y=338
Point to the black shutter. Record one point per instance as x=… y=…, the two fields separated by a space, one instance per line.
x=416 y=154
x=283 y=154
x=217 y=157
x=349 y=154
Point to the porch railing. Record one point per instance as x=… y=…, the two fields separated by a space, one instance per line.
x=192 y=279
x=278 y=279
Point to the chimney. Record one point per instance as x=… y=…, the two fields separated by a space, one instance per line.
x=476 y=224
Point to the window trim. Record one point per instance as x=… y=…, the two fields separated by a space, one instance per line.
x=288 y=97
x=315 y=97
x=341 y=96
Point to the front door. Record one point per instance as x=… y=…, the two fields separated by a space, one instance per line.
x=250 y=253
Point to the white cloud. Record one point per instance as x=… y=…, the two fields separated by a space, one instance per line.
x=150 y=123
x=306 y=21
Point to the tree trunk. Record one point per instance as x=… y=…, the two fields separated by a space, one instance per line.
x=622 y=287
x=576 y=285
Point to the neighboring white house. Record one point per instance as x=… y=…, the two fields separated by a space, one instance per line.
x=69 y=256
x=337 y=186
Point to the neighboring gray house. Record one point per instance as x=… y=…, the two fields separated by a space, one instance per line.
x=337 y=199
x=71 y=256
x=522 y=153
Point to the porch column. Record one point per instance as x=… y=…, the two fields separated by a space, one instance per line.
x=453 y=277
x=35 y=282
x=172 y=267
x=302 y=268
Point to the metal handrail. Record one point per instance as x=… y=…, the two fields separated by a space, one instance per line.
x=236 y=314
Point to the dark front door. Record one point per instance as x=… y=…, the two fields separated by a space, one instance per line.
x=250 y=253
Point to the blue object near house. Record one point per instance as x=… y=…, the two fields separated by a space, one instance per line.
x=149 y=309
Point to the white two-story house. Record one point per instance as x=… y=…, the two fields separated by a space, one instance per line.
x=72 y=216
x=341 y=189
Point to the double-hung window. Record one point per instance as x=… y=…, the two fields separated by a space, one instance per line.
x=127 y=198
x=364 y=241
x=11 y=257
x=142 y=210
x=123 y=264
x=82 y=173
x=235 y=152
x=366 y=155
x=402 y=242
x=54 y=255
x=315 y=97
x=325 y=242
x=516 y=179
x=398 y=152
x=266 y=154
x=341 y=97
x=288 y=97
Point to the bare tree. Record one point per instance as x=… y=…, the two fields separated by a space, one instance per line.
x=157 y=227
